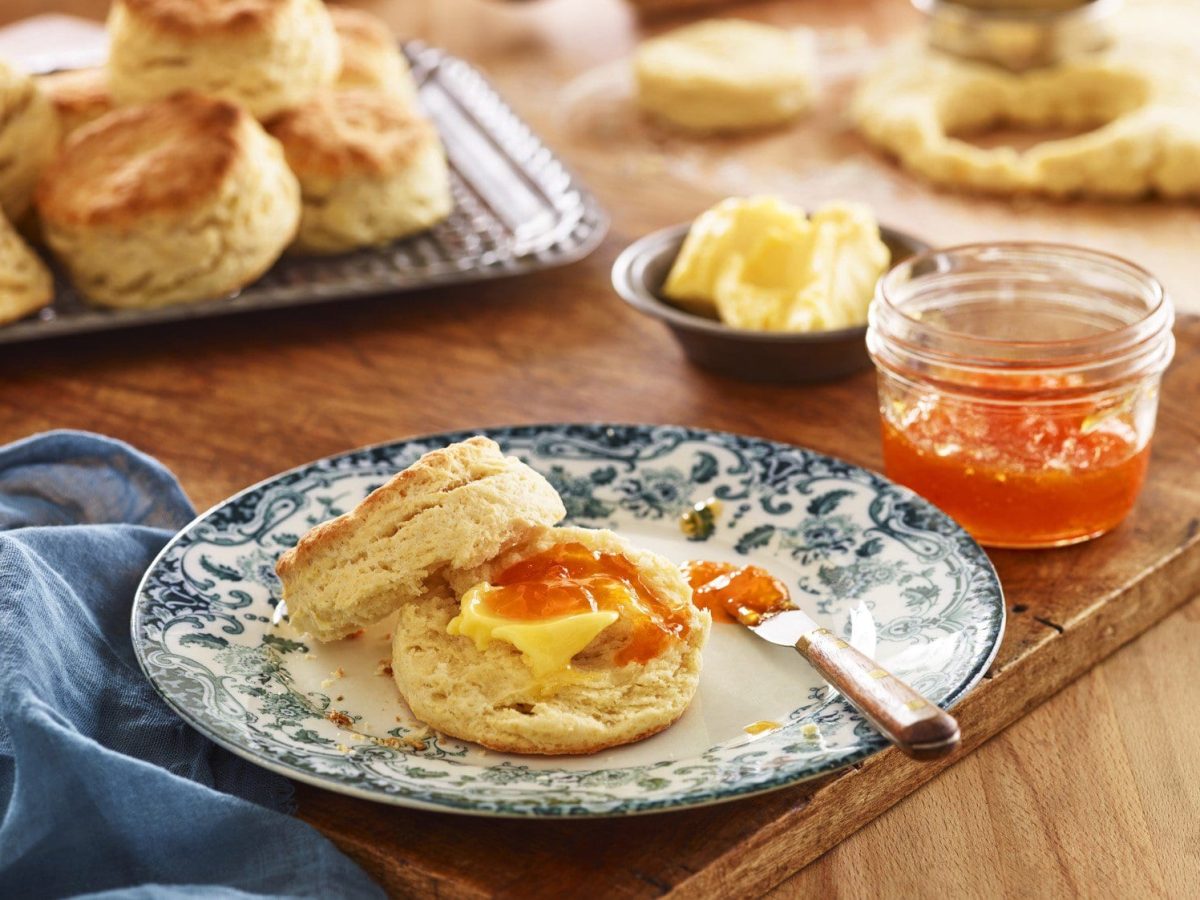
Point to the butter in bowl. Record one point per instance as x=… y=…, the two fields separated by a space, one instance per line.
x=757 y=289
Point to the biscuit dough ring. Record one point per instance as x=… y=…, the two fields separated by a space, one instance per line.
x=490 y=696
x=1145 y=114
x=453 y=508
x=266 y=55
x=724 y=75
x=29 y=136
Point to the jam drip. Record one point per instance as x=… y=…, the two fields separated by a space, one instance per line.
x=569 y=579
x=730 y=591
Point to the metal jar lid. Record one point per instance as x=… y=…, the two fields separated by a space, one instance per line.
x=1019 y=34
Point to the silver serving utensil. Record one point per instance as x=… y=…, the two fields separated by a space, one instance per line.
x=914 y=724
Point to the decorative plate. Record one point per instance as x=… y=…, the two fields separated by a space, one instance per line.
x=207 y=632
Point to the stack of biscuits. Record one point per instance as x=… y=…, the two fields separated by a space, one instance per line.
x=220 y=134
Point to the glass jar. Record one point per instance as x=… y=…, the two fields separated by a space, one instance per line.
x=1018 y=386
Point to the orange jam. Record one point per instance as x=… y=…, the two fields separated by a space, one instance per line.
x=730 y=591
x=570 y=578
x=1022 y=476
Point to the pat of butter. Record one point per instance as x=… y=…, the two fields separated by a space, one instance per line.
x=547 y=646
x=760 y=263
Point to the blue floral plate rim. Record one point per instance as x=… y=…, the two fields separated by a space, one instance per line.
x=970 y=552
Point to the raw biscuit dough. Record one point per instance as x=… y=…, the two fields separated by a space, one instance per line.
x=1142 y=100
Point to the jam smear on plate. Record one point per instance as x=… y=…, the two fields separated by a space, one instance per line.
x=728 y=590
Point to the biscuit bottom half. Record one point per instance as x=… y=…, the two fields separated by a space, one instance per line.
x=491 y=697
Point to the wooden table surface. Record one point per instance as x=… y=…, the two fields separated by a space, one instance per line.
x=1095 y=792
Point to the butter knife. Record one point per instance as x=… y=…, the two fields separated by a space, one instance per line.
x=914 y=724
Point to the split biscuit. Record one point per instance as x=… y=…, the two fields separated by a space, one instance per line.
x=267 y=55
x=454 y=508
x=175 y=201
x=491 y=696
x=371 y=170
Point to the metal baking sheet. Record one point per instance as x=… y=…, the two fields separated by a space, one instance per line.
x=517 y=209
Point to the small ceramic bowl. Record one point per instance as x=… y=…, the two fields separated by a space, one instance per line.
x=638 y=276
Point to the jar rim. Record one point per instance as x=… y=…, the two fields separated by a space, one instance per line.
x=1131 y=316
x=1157 y=317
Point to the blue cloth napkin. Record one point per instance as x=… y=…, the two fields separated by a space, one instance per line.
x=102 y=788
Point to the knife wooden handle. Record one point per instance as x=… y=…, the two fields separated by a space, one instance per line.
x=918 y=727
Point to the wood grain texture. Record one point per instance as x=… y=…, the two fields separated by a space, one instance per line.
x=1017 y=818
x=225 y=403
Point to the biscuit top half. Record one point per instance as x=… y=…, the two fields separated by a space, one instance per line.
x=195 y=18
x=343 y=133
x=166 y=156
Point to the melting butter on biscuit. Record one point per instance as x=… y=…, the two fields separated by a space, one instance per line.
x=547 y=645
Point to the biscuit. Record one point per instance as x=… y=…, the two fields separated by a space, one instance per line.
x=267 y=55
x=453 y=508
x=175 y=201
x=25 y=283
x=490 y=696
x=1141 y=104
x=371 y=170
x=29 y=137
x=371 y=60
x=726 y=75
x=79 y=96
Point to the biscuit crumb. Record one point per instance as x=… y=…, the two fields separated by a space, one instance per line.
x=384 y=667
x=342 y=748
x=339 y=718
x=340 y=698
x=417 y=739
x=356 y=634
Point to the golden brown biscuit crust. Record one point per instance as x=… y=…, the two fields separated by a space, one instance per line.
x=439 y=470
x=162 y=156
x=197 y=17
x=351 y=133
x=79 y=95
x=358 y=28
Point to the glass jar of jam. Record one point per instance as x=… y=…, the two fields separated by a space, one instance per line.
x=1018 y=386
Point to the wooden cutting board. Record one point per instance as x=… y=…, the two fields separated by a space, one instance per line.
x=226 y=403
x=1068 y=609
